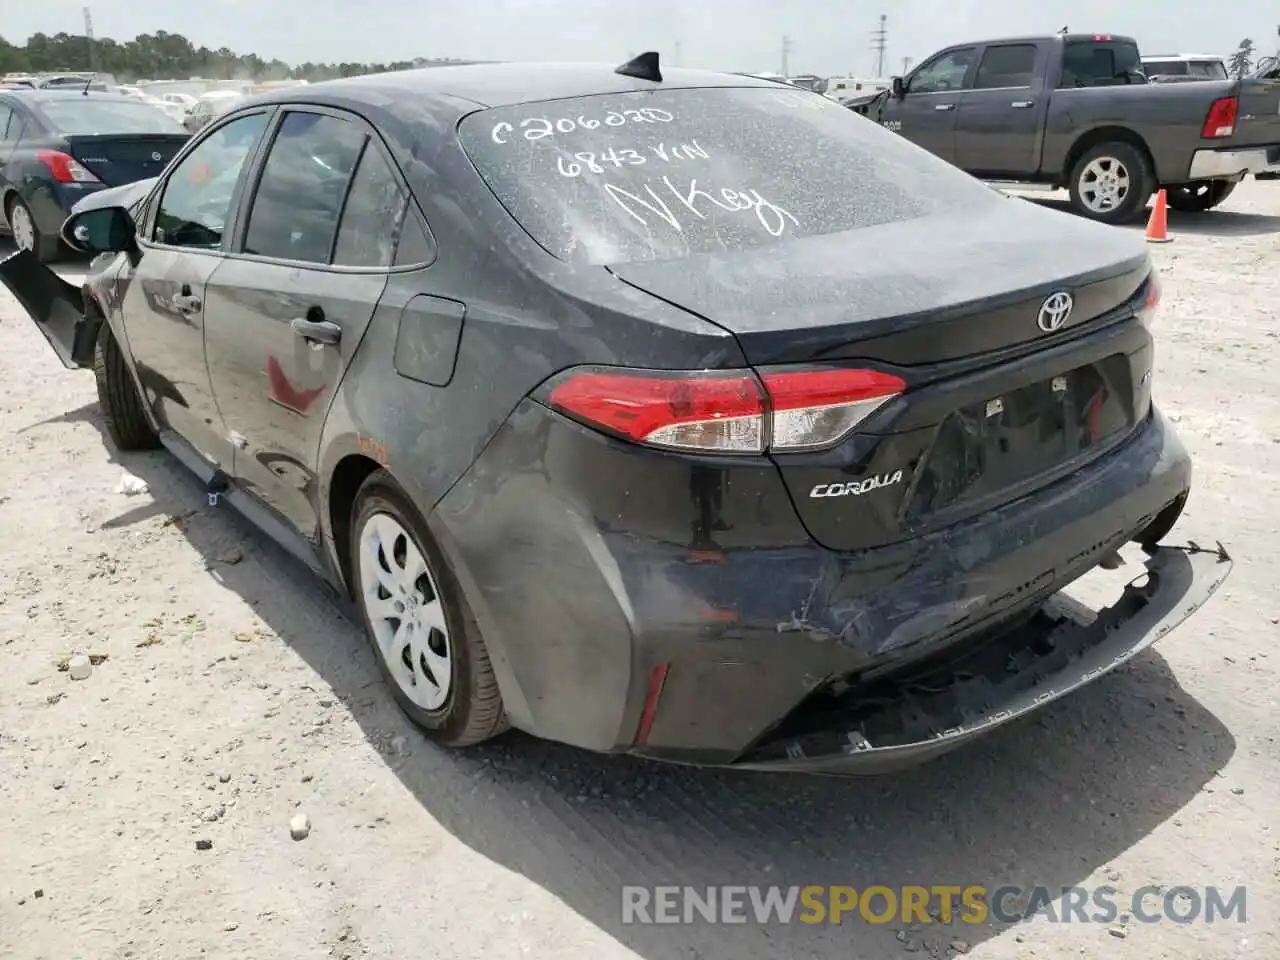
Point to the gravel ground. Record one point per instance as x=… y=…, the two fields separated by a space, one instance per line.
x=234 y=696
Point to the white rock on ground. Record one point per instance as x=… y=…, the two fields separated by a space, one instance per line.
x=299 y=826
x=488 y=853
x=80 y=667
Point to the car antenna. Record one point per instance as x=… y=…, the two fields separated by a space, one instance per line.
x=643 y=67
x=87 y=82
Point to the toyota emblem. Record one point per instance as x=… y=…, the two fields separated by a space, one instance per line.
x=157 y=156
x=1054 y=311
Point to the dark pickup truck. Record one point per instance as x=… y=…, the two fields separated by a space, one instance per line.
x=1075 y=111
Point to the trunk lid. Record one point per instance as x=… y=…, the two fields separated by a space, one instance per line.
x=911 y=292
x=117 y=159
x=995 y=406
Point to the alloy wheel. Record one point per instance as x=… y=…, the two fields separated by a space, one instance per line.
x=405 y=611
x=24 y=231
x=1104 y=184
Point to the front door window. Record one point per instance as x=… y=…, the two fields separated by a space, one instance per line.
x=196 y=203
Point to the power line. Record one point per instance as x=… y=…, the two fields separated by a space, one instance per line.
x=880 y=43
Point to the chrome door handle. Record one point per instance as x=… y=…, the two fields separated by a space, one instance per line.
x=1022 y=104
x=185 y=303
x=945 y=106
x=316 y=331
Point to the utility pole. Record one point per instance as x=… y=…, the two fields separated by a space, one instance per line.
x=786 y=55
x=93 y=44
x=679 y=57
x=880 y=43
x=906 y=65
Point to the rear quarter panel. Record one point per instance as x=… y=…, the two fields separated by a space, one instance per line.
x=1168 y=118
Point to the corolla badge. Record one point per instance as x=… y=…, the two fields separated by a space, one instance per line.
x=856 y=488
x=1054 y=311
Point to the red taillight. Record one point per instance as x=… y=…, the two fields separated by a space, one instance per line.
x=1221 y=119
x=726 y=412
x=1147 y=312
x=65 y=169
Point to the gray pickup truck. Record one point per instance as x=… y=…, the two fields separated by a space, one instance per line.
x=1075 y=111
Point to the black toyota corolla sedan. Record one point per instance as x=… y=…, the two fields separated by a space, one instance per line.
x=661 y=412
x=58 y=146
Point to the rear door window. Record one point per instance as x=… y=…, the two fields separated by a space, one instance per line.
x=304 y=181
x=658 y=176
x=1012 y=65
x=372 y=216
x=196 y=202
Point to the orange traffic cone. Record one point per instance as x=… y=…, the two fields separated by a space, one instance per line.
x=1158 y=223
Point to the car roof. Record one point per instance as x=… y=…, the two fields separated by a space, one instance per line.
x=1181 y=56
x=502 y=84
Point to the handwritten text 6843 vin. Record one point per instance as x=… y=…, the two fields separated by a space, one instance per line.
x=591 y=162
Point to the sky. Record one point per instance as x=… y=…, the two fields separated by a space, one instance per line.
x=827 y=37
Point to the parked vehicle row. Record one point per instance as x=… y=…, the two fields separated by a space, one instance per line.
x=57 y=146
x=629 y=419
x=1076 y=112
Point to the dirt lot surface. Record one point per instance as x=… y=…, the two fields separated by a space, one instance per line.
x=234 y=696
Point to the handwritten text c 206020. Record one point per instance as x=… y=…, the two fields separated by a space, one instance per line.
x=537 y=128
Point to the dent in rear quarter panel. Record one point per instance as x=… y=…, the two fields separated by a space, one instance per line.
x=597 y=560
x=527 y=316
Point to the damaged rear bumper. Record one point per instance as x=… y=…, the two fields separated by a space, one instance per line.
x=1061 y=649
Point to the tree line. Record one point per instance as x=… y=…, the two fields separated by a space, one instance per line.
x=163 y=56
x=1240 y=63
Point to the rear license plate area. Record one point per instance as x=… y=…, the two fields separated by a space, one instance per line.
x=989 y=446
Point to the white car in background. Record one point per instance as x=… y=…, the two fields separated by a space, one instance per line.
x=1184 y=67
x=210 y=105
x=185 y=100
x=174 y=110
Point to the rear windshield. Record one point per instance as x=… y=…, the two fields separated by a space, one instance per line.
x=657 y=176
x=1209 y=69
x=85 y=115
x=1165 y=68
x=1101 y=63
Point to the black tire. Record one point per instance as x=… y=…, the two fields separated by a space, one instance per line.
x=472 y=711
x=122 y=410
x=1199 y=197
x=46 y=249
x=1141 y=182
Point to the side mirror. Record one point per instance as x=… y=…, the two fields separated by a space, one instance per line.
x=899 y=87
x=102 y=230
